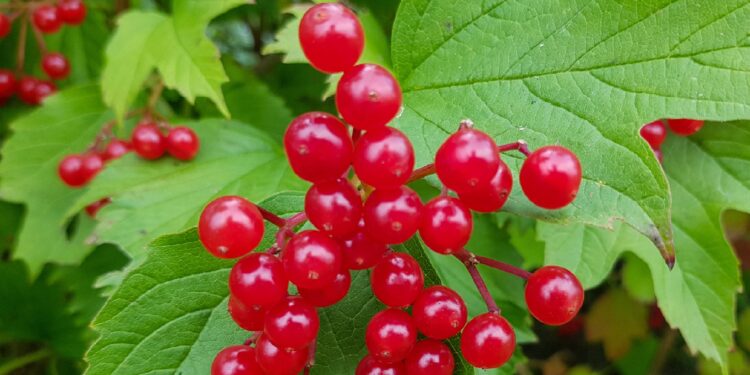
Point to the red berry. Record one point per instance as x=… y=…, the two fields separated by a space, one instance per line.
x=397 y=280
x=466 y=160
x=332 y=293
x=5 y=25
x=148 y=141
x=554 y=295
x=361 y=252
x=230 y=227
x=550 y=177
x=250 y=318
x=334 y=207
x=311 y=259
x=27 y=90
x=318 y=147
x=93 y=208
x=293 y=323
x=276 y=361
x=7 y=83
x=439 y=312
x=236 y=360
x=430 y=357
x=684 y=126
x=42 y=90
x=258 y=280
x=371 y=366
x=46 y=19
x=654 y=133
x=72 y=12
x=182 y=143
x=78 y=170
x=492 y=197
x=488 y=341
x=659 y=155
x=55 y=65
x=331 y=37
x=446 y=225
x=115 y=149
x=390 y=335
x=383 y=158
x=368 y=96
x=392 y=215
x=656 y=319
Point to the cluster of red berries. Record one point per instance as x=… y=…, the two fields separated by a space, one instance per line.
x=352 y=233
x=47 y=19
x=655 y=132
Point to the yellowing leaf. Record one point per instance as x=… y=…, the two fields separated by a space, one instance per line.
x=616 y=320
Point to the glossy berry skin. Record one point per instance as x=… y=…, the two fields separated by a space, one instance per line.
x=230 y=227
x=332 y=293
x=236 y=360
x=362 y=252
x=430 y=357
x=554 y=295
x=397 y=280
x=368 y=96
x=318 y=147
x=488 y=341
x=684 y=126
x=654 y=133
x=182 y=143
x=26 y=87
x=55 y=65
x=5 y=25
x=42 y=90
x=115 y=149
x=311 y=259
x=276 y=361
x=292 y=323
x=249 y=318
x=383 y=158
x=46 y=19
x=7 y=84
x=371 y=366
x=550 y=177
x=467 y=160
x=78 y=170
x=392 y=215
x=331 y=37
x=72 y=12
x=390 y=335
x=334 y=207
x=93 y=208
x=446 y=225
x=492 y=197
x=439 y=312
x=148 y=141
x=258 y=280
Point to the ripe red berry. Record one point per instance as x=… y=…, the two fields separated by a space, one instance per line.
x=684 y=126
x=78 y=170
x=466 y=160
x=439 y=312
x=27 y=90
x=230 y=227
x=5 y=25
x=318 y=147
x=397 y=280
x=550 y=177
x=331 y=37
x=383 y=158
x=46 y=19
x=371 y=366
x=277 y=361
x=115 y=149
x=72 y=12
x=148 y=141
x=311 y=259
x=368 y=96
x=488 y=341
x=430 y=357
x=250 y=318
x=332 y=293
x=293 y=323
x=554 y=295
x=42 y=90
x=236 y=360
x=334 y=207
x=7 y=84
x=362 y=252
x=93 y=208
x=390 y=335
x=446 y=225
x=258 y=280
x=392 y=215
x=182 y=143
x=55 y=65
x=654 y=133
x=492 y=197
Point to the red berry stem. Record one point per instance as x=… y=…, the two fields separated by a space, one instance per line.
x=156 y=91
x=421 y=173
x=40 y=40
x=272 y=218
x=356 y=133
x=520 y=146
x=505 y=267
x=470 y=261
x=21 y=48
x=286 y=230
x=251 y=340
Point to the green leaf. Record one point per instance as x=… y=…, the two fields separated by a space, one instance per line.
x=636 y=279
x=568 y=72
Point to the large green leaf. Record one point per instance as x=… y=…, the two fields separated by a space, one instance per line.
x=709 y=173
x=584 y=74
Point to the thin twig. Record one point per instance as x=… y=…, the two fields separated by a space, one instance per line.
x=21 y=52
x=16 y=363
x=520 y=146
x=470 y=261
x=156 y=91
x=663 y=352
x=272 y=218
x=505 y=267
x=286 y=231
x=40 y=40
x=421 y=173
